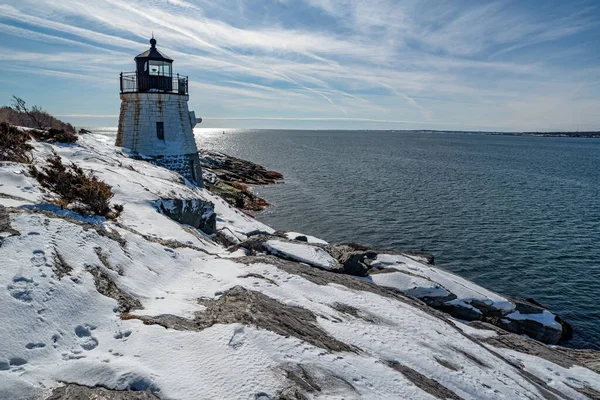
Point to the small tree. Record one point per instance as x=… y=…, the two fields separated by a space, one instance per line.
x=36 y=117
x=71 y=186
x=34 y=114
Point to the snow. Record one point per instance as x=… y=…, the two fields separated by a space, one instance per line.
x=55 y=329
x=16 y=186
x=545 y=318
x=305 y=253
x=464 y=290
x=563 y=379
x=409 y=284
x=474 y=332
x=310 y=239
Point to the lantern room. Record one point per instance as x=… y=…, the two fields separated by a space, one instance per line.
x=154 y=73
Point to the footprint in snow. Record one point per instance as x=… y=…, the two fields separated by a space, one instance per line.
x=31 y=346
x=21 y=288
x=86 y=340
x=39 y=258
x=13 y=364
x=122 y=335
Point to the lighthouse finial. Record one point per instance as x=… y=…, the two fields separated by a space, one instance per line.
x=153 y=41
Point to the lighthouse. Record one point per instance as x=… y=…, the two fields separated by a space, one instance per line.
x=155 y=122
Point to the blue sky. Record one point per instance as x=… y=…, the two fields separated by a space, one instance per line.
x=348 y=64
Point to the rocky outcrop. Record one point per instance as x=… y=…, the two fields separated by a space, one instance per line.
x=72 y=391
x=563 y=356
x=428 y=385
x=233 y=169
x=293 y=250
x=532 y=319
x=228 y=178
x=197 y=213
x=354 y=259
x=107 y=287
x=413 y=275
x=251 y=308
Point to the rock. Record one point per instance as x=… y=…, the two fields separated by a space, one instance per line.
x=354 y=262
x=428 y=385
x=197 y=213
x=73 y=391
x=248 y=307
x=537 y=322
x=300 y=237
x=311 y=254
x=227 y=177
x=83 y=131
x=5 y=228
x=305 y=380
x=413 y=275
x=107 y=287
x=235 y=169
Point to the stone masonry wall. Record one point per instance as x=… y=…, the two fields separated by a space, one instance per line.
x=188 y=165
x=138 y=132
x=137 y=124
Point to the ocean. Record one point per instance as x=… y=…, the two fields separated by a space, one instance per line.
x=519 y=215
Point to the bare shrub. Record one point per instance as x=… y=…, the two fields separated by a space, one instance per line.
x=14 y=144
x=19 y=113
x=72 y=187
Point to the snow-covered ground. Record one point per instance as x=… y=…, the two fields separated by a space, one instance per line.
x=55 y=326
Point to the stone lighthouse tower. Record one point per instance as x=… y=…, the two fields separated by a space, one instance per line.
x=155 y=121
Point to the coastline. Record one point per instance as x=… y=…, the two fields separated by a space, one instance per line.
x=527 y=317
x=151 y=303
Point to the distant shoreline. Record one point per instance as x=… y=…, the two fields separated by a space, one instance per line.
x=589 y=134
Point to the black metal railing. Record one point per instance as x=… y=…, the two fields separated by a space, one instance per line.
x=133 y=82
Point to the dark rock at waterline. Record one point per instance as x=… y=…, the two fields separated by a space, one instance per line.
x=353 y=260
x=194 y=212
x=227 y=177
x=229 y=168
x=527 y=317
x=557 y=333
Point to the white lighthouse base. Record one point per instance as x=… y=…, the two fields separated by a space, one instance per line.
x=160 y=126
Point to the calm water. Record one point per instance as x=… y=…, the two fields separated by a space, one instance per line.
x=519 y=215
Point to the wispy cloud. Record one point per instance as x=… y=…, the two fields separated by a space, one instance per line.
x=379 y=61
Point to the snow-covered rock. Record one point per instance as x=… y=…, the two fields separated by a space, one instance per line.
x=147 y=304
x=304 y=238
x=311 y=255
x=464 y=299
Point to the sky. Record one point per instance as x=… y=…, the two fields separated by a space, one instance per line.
x=523 y=65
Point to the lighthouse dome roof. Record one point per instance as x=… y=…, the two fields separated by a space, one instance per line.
x=153 y=53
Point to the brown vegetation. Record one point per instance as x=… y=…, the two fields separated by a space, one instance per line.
x=70 y=186
x=54 y=135
x=14 y=144
x=19 y=113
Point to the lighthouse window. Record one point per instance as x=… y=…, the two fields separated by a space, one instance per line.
x=160 y=68
x=160 y=130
